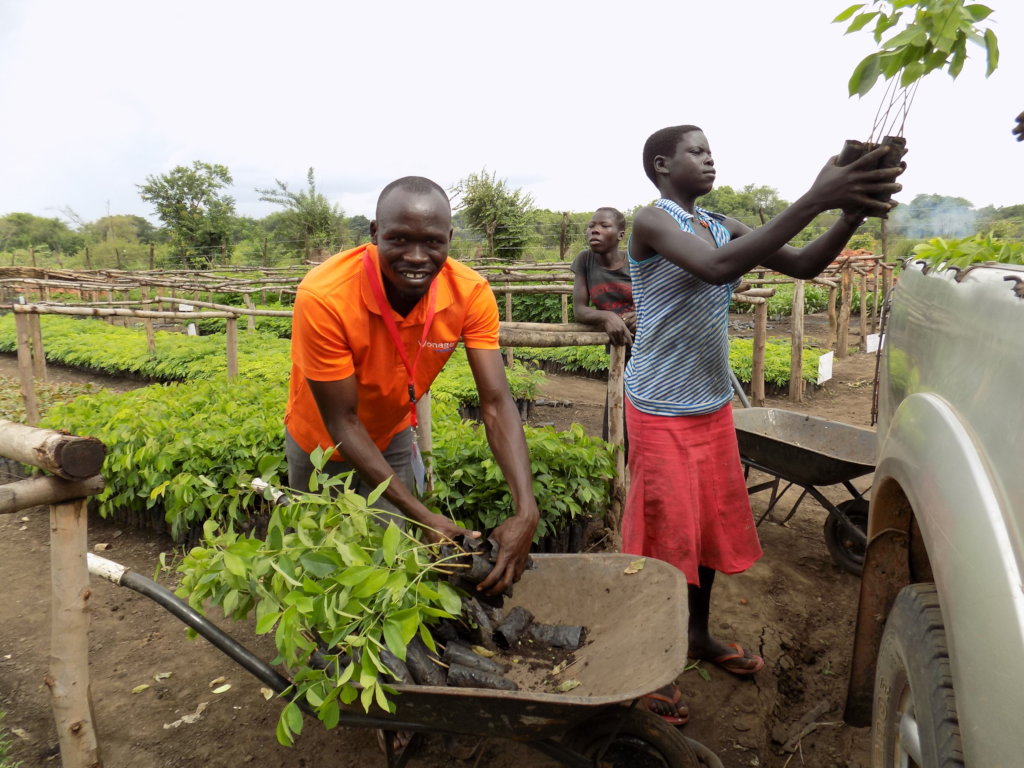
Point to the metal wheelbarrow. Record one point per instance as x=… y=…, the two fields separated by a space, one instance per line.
x=811 y=453
x=636 y=629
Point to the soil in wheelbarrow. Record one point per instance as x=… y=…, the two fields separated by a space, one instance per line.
x=794 y=607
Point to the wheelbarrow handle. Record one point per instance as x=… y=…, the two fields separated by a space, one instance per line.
x=738 y=388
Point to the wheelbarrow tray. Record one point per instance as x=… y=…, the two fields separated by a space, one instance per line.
x=635 y=643
x=806 y=450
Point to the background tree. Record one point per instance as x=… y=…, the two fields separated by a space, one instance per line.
x=133 y=229
x=358 y=229
x=497 y=213
x=192 y=205
x=22 y=231
x=309 y=222
x=753 y=205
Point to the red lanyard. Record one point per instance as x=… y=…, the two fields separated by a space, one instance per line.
x=389 y=321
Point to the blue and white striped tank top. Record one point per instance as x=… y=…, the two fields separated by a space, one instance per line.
x=680 y=358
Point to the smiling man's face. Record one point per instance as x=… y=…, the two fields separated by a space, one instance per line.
x=412 y=233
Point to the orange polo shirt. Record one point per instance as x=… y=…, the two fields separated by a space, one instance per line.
x=338 y=331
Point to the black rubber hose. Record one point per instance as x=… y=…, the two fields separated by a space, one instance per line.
x=218 y=638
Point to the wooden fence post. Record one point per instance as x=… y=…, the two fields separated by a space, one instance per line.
x=508 y=319
x=28 y=390
x=617 y=430
x=250 y=321
x=565 y=308
x=833 y=323
x=232 y=341
x=863 y=310
x=68 y=678
x=760 y=342
x=796 y=354
x=843 y=329
x=38 y=353
x=875 y=274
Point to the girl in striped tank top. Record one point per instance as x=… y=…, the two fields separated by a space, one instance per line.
x=687 y=502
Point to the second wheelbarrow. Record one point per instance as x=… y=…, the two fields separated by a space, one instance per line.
x=811 y=453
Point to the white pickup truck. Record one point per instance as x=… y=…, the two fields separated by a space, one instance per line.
x=938 y=663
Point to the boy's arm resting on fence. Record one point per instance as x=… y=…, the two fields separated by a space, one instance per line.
x=616 y=328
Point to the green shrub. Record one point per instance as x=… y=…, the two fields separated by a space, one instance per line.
x=572 y=474
x=781 y=304
x=741 y=357
x=535 y=308
x=281 y=327
x=187 y=449
x=776 y=361
x=96 y=346
x=5 y=746
x=12 y=406
x=590 y=359
x=969 y=250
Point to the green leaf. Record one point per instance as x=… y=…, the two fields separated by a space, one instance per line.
x=357 y=574
x=318 y=565
x=293 y=716
x=864 y=75
x=389 y=544
x=394 y=639
x=376 y=493
x=366 y=697
x=313 y=697
x=284 y=736
x=235 y=564
x=287 y=570
x=374 y=582
x=911 y=72
x=330 y=713
x=409 y=621
x=382 y=700
x=349 y=694
x=861 y=21
x=978 y=11
x=912 y=35
x=956 y=62
x=268 y=465
x=847 y=13
x=450 y=599
x=266 y=622
x=345 y=676
x=991 y=51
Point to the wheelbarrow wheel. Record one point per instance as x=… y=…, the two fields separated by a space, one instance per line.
x=642 y=740
x=846 y=550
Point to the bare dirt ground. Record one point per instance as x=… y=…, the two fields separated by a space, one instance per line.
x=795 y=607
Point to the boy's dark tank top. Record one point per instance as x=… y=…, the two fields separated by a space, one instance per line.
x=610 y=290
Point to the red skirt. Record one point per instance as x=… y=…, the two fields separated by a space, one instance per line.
x=687 y=502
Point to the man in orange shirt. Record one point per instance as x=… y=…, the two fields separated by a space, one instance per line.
x=372 y=327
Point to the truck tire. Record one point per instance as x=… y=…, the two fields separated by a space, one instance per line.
x=914 y=719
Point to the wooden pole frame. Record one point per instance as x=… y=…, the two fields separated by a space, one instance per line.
x=68 y=675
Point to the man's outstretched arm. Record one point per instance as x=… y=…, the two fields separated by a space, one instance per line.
x=508 y=444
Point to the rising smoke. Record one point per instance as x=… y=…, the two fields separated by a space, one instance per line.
x=935 y=216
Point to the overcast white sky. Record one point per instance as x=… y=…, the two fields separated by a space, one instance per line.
x=557 y=97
